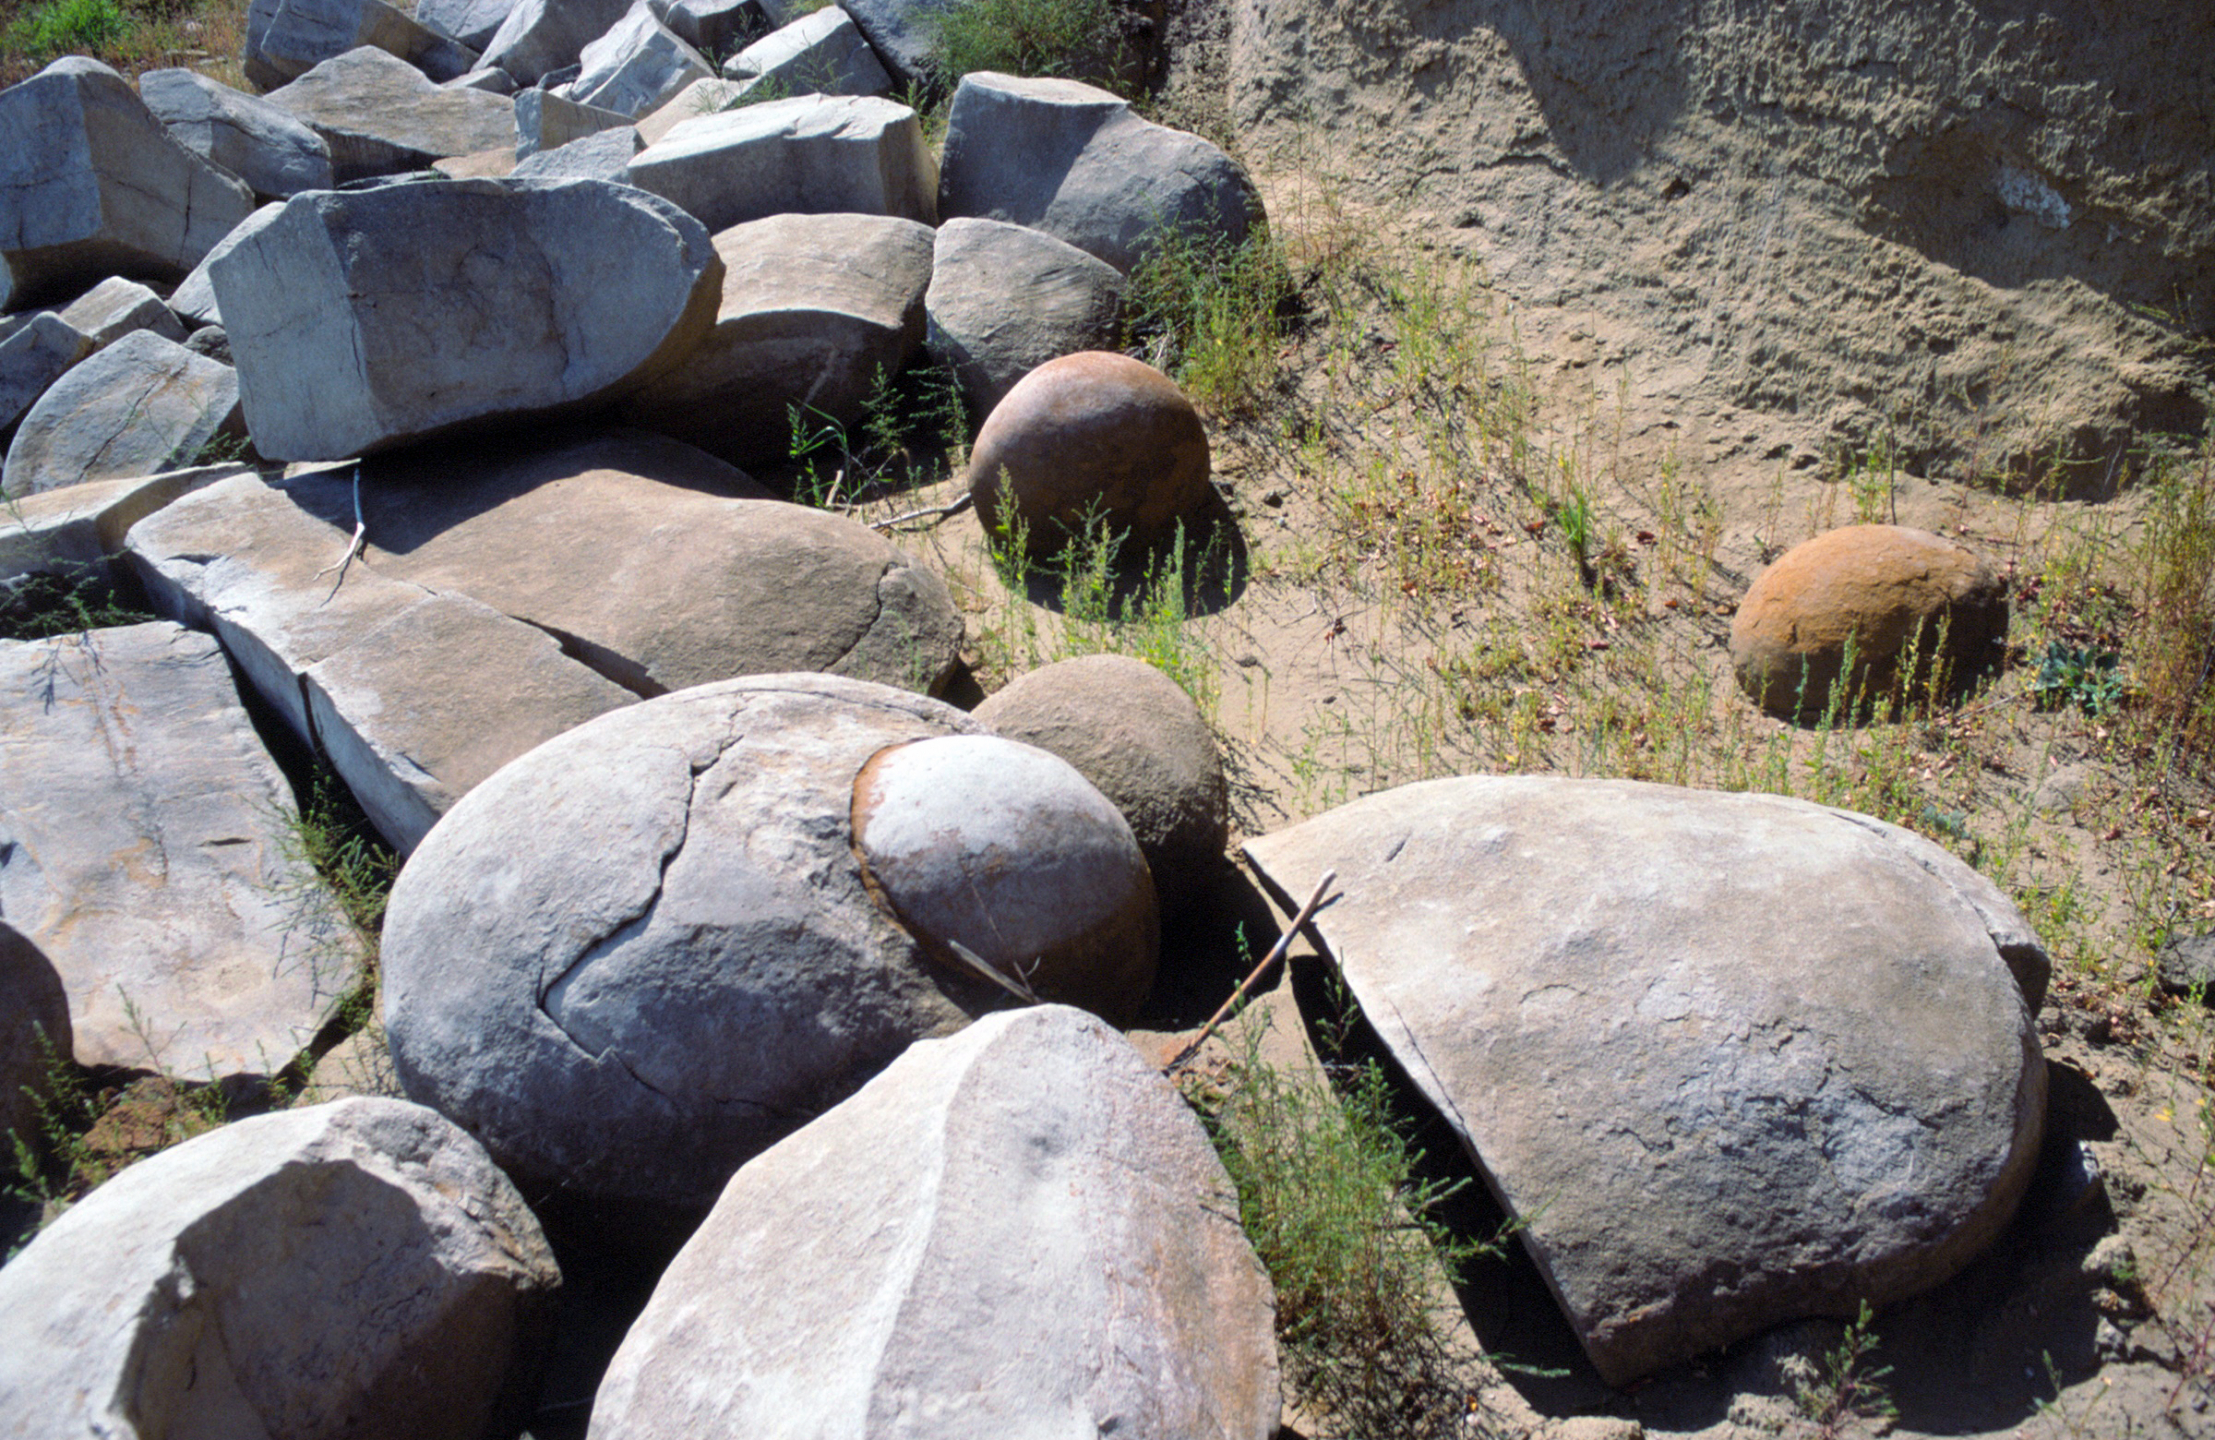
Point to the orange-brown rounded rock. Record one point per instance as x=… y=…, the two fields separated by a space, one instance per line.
x=1891 y=592
x=1091 y=434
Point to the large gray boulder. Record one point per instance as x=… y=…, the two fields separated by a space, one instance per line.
x=712 y=26
x=814 y=307
x=901 y=31
x=362 y=321
x=287 y=38
x=819 y=54
x=356 y=1268
x=1134 y=733
x=263 y=144
x=875 y=1272
x=36 y=355
x=639 y=64
x=813 y=155
x=547 y=121
x=472 y=22
x=658 y=566
x=539 y=37
x=1077 y=162
x=415 y=695
x=92 y=185
x=1730 y=1059
x=144 y=848
x=142 y=405
x=1005 y=299
x=644 y=953
x=117 y=307
x=380 y=116
x=34 y=1033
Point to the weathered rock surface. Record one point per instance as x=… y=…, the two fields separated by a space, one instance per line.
x=364 y=320
x=287 y=38
x=819 y=54
x=72 y=532
x=643 y=953
x=546 y=121
x=418 y=711
x=117 y=307
x=811 y=155
x=194 y=298
x=143 y=849
x=380 y=116
x=1075 y=161
x=1131 y=731
x=34 y=1028
x=637 y=65
x=603 y=155
x=1892 y=594
x=1007 y=851
x=1005 y=299
x=1977 y=198
x=472 y=22
x=701 y=97
x=539 y=37
x=140 y=406
x=1091 y=435
x=876 y=1270
x=32 y=359
x=91 y=185
x=1734 y=1059
x=658 y=566
x=491 y=79
x=357 y=1268
x=813 y=307
x=262 y=144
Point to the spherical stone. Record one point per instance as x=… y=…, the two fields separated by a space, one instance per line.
x=643 y=952
x=1890 y=592
x=1091 y=434
x=1011 y=853
x=1134 y=733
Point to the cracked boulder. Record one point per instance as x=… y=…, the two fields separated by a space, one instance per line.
x=1078 y=163
x=814 y=308
x=144 y=851
x=637 y=65
x=139 y=407
x=91 y=185
x=356 y=1268
x=1006 y=850
x=643 y=953
x=365 y=320
x=287 y=38
x=890 y=1259
x=810 y=155
x=1730 y=1059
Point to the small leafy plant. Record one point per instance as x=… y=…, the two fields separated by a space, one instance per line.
x=1080 y=39
x=66 y=27
x=2082 y=676
x=1846 y=1388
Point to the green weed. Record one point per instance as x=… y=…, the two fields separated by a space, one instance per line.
x=39 y=607
x=1845 y=1388
x=1210 y=314
x=1077 y=39
x=66 y=27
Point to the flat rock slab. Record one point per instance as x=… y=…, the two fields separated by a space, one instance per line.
x=141 y=406
x=416 y=695
x=814 y=307
x=361 y=321
x=72 y=532
x=356 y=1268
x=380 y=116
x=91 y=185
x=1029 y=1188
x=143 y=848
x=1733 y=1059
x=811 y=155
x=643 y=953
x=657 y=565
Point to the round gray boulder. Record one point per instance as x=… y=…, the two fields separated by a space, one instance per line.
x=1093 y=434
x=1005 y=299
x=1134 y=733
x=1007 y=851
x=643 y=952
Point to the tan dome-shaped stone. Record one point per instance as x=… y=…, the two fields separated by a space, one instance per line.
x=1010 y=853
x=1091 y=434
x=1890 y=592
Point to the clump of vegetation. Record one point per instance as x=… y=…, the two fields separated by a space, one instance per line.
x=130 y=35
x=1075 y=39
x=913 y=431
x=1211 y=315
x=66 y=27
x=1845 y=1387
x=1328 y=1193
x=38 y=607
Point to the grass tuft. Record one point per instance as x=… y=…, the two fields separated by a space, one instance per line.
x=1075 y=39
